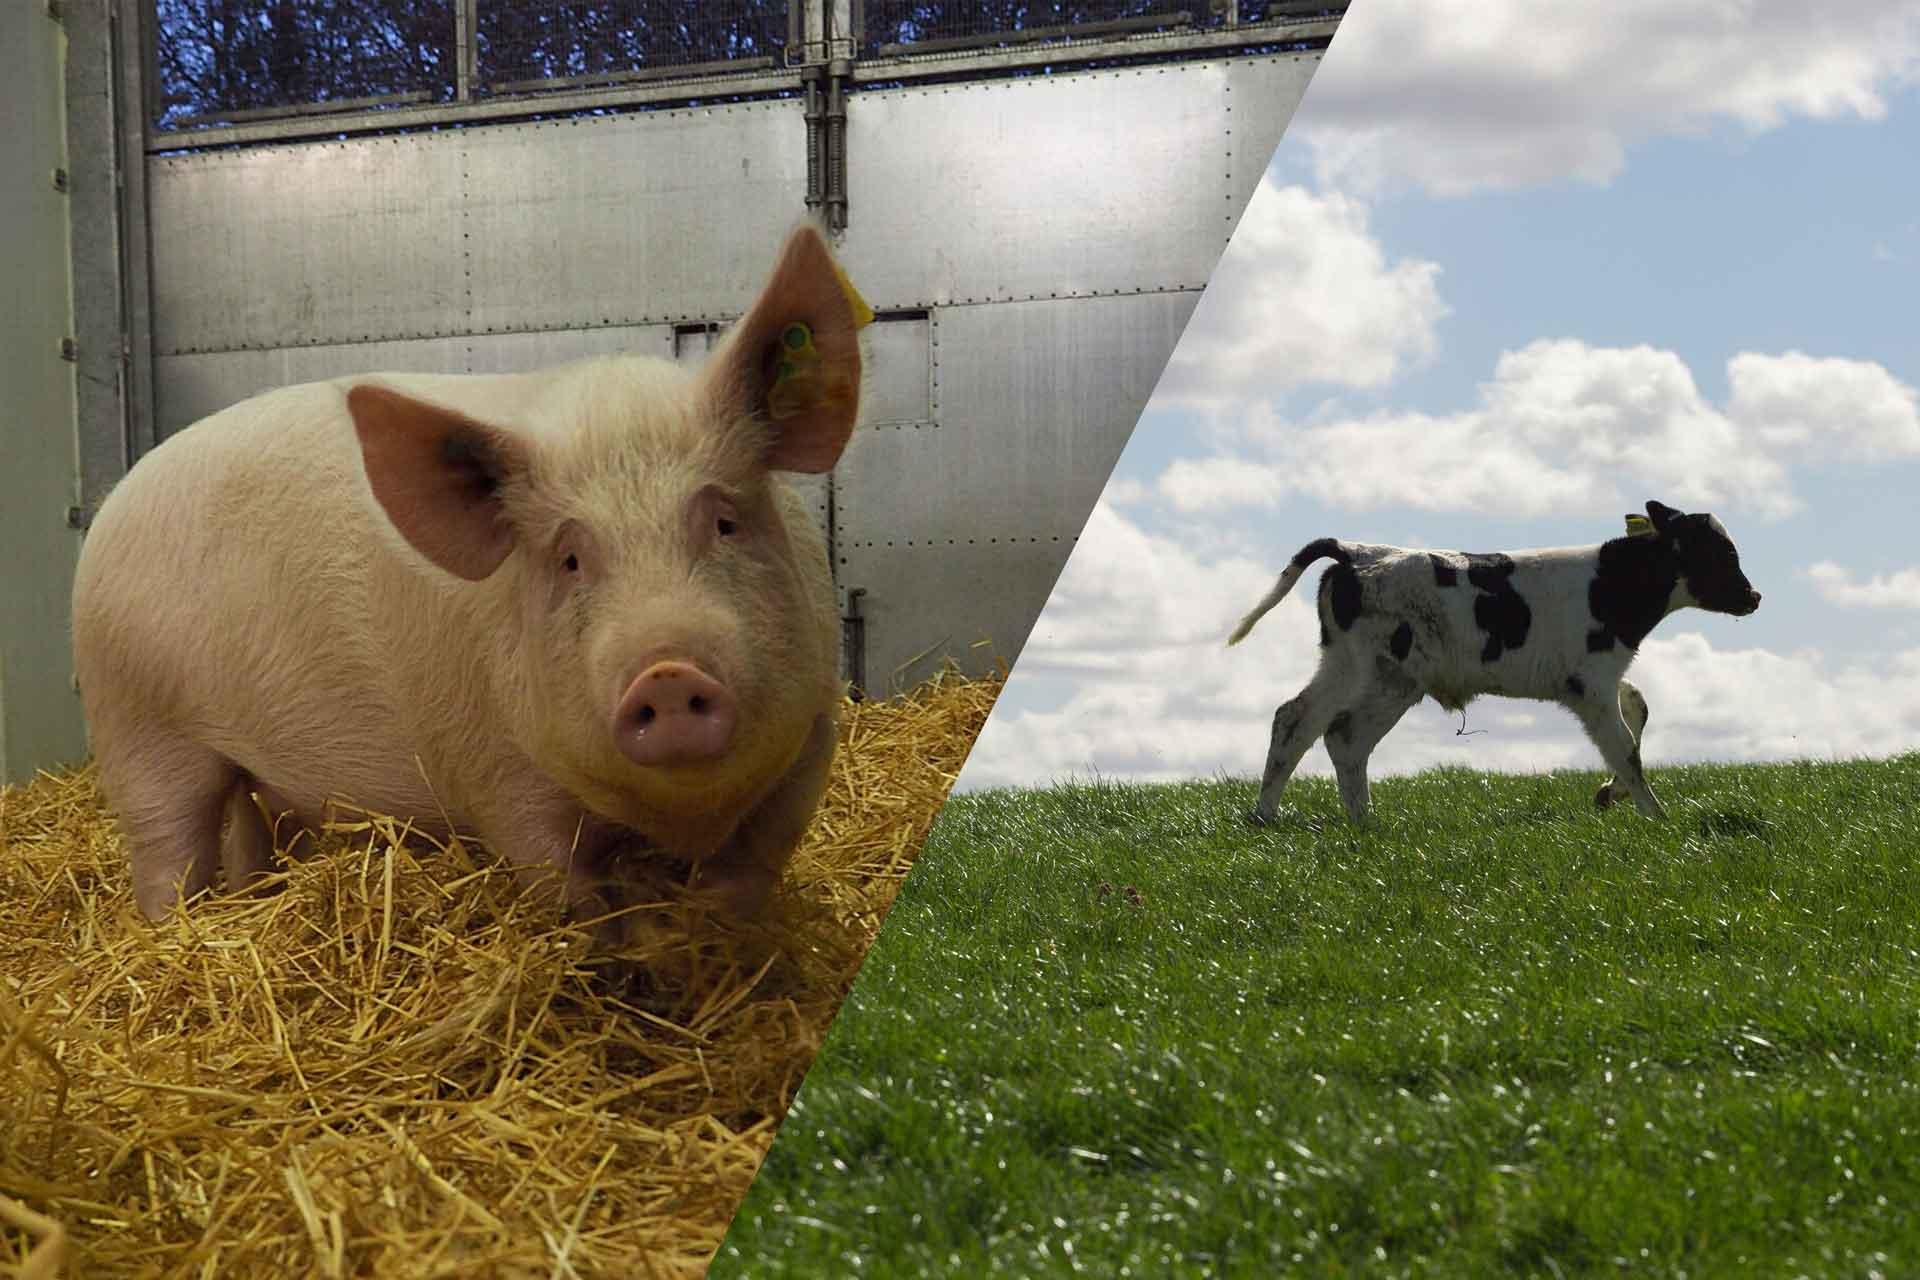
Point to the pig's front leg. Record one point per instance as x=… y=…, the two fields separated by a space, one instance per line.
x=557 y=847
x=744 y=870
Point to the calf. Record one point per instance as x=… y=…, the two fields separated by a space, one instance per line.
x=1558 y=625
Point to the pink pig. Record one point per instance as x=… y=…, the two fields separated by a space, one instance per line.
x=572 y=611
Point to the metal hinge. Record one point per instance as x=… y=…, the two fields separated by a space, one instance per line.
x=853 y=636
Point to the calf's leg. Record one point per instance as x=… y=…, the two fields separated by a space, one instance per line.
x=1355 y=732
x=1600 y=714
x=1297 y=725
x=1633 y=708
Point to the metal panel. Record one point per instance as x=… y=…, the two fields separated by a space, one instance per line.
x=524 y=352
x=956 y=528
x=601 y=220
x=193 y=386
x=817 y=490
x=1262 y=94
x=324 y=243
x=897 y=370
x=1035 y=402
x=1050 y=186
x=106 y=162
x=925 y=604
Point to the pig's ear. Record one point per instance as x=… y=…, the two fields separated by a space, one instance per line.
x=438 y=475
x=793 y=361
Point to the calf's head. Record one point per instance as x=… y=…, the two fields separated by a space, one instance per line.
x=669 y=635
x=1709 y=563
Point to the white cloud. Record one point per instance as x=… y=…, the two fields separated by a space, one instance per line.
x=1504 y=93
x=1823 y=407
x=1561 y=426
x=1133 y=634
x=1898 y=590
x=1304 y=294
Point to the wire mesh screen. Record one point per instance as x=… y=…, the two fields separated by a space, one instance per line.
x=897 y=26
x=904 y=26
x=230 y=59
x=544 y=40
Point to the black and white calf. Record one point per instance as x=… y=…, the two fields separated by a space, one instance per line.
x=1560 y=625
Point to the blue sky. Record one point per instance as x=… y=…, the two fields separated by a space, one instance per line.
x=1516 y=269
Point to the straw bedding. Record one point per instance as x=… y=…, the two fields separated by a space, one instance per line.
x=402 y=1066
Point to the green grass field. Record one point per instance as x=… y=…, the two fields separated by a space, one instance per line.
x=1115 y=1030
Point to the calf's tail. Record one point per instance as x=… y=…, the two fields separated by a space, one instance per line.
x=1318 y=549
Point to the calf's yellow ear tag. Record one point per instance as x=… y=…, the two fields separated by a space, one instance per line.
x=1639 y=527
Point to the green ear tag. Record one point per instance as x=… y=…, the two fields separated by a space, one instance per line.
x=798 y=339
x=1639 y=527
x=793 y=387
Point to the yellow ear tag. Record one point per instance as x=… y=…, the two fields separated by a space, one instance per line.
x=1639 y=527
x=862 y=313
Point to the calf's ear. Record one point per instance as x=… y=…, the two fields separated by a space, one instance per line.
x=793 y=361
x=438 y=475
x=1661 y=515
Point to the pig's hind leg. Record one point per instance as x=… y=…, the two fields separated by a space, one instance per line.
x=247 y=854
x=170 y=794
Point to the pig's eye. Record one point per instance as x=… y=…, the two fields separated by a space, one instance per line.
x=726 y=527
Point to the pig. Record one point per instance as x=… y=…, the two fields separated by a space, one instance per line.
x=575 y=612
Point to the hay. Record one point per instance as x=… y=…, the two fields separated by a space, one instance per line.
x=400 y=1066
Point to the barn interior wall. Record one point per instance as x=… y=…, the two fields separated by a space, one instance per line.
x=40 y=723
x=1025 y=320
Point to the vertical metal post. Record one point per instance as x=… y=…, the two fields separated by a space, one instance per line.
x=842 y=29
x=854 y=640
x=138 y=100
x=465 y=41
x=815 y=32
x=838 y=73
x=815 y=113
x=109 y=107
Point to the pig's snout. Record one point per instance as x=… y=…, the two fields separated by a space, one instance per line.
x=674 y=713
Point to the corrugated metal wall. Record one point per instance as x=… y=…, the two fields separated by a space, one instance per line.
x=1035 y=245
